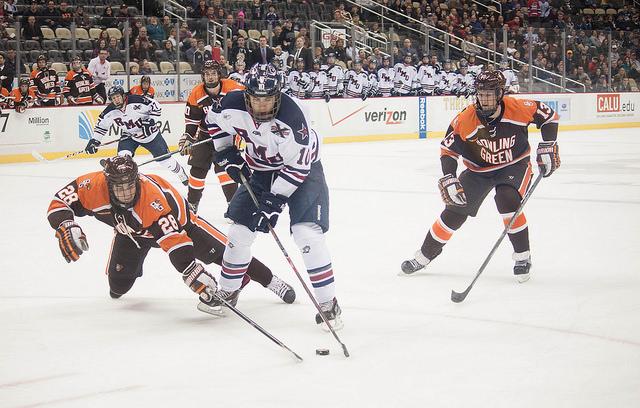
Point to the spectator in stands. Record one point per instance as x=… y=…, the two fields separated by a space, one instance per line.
x=240 y=21
x=100 y=68
x=240 y=48
x=145 y=68
x=66 y=15
x=9 y=10
x=285 y=35
x=601 y=85
x=340 y=51
x=200 y=11
x=34 y=10
x=123 y=15
x=200 y=56
x=115 y=54
x=172 y=37
x=134 y=69
x=108 y=20
x=155 y=30
x=300 y=51
x=407 y=48
x=31 y=31
x=167 y=26
x=101 y=45
x=231 y=24
x=168 y=52
x=10 y=58
x=7 y=71
x=137 y=53
x=81 y=19
x=263 y=54
x=225 y=67
x=51 y=15
x=257 y=10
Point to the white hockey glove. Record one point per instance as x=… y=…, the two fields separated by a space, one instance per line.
x=451 y=191
x=548 y=157
x=71 y=240
x=200 y=281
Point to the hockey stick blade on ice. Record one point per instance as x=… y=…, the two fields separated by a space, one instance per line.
x=246 y=185
x=458 y=297
x=257 y=327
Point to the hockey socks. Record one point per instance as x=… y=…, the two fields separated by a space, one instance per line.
x=507 y=201
x=440 y=232
x=237 y=257
x=197 y=178
x=227 y=184
x=315 y=254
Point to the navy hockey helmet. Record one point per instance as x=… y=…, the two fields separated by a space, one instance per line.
x=123 y=181
x=490 y=91
x=300 y=64
x=317 y=63
x=212 y=67
x=262 y=94
x=115 y=91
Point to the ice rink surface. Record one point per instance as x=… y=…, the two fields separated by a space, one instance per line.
x=570 y=337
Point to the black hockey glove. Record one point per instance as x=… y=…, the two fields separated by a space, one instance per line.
x=271 y=205
x=327 y=97
x=233 y=163
x=438 y=91
x=92 y=146
x=200 y=281
x=548 y=157
x=71 y=240
x=451 y=191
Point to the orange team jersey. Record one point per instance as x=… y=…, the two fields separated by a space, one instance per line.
x=488 y=147
x=45 y=83
x=137 y=90
x=79 y=85
x=199 y=103
x=4 y=97
x=160 y=213
x=17 y=96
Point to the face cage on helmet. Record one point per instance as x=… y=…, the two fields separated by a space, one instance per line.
x=263 y=116
x=124 y=194
x=485 y=112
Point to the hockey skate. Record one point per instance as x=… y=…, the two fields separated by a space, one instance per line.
x=282 y=289
x=413 y=265
x=521 y=269
x=332 y=313
x=214 y=307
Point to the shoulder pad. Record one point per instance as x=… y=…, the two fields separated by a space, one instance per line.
x=233 y=100
x=291 y=114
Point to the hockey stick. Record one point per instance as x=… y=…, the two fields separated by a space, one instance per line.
x=164 y=156
x=246 y=185
x=458 y=297
x=39 y=157
x=257 y=326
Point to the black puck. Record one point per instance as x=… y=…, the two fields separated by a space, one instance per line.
x=322 y=352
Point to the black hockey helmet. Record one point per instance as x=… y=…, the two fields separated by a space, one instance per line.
x=41 y=58
x=489 y=92
x=211 y=66
x=24 y=82
x=263 y=95
x=116 y=90
x=145 y=78
x=123 y=181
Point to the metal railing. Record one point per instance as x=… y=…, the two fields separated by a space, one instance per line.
x=170 y=7
x=354 y=34
x=444 y=38
x=495 y=5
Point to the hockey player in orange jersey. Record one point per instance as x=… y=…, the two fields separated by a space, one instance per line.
x=491 y=136
x=144 y=89
x=146 y=211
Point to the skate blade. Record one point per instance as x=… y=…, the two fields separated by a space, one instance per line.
x=336 y=323
x=522 y=278
x=214 y=311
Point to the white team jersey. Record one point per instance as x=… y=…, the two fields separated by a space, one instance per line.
x=385 y=80
x=463 y=83
x=446 y=81
x=475 y=69
x=405 y=79
x=318 y=82
x=356 y=84
x=298 y=83
x=426 y=76
x=511 y=84
x=283 y=57
x=285 y=144
x=373 y=83
x=239 y=77
x=335 y=79
x=138 y=119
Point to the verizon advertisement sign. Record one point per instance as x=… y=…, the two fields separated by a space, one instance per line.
x=614 y=105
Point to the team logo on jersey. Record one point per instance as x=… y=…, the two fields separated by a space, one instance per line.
x=85 y=184
x=136 y=107
x=157 y=205
x=279 y=130
x=304 y=132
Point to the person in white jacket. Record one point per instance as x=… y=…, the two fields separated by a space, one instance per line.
x=100 y=68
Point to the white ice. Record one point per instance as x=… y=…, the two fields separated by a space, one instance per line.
x=570 y=337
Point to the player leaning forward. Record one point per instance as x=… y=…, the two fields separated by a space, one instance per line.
x=137 y=117
x=283 y=152
x=491 y=136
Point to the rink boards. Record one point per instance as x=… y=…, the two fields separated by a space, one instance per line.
x=60 y=130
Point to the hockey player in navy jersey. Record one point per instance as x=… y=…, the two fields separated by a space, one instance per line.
x=137 y=118
x=282 y=164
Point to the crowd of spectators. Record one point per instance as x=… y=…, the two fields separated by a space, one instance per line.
x=584 y=26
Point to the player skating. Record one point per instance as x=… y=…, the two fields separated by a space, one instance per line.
x=146 y=212
x=283 y=152
x=492 y=138
x=203 y=98
x=137 y=118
